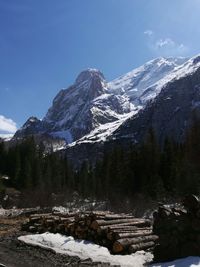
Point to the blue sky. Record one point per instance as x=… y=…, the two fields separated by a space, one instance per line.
x=44 y=44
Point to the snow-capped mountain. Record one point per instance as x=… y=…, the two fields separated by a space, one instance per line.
x=94 y=110
x=79 y=109
x=171 y=112
x=138 y=87
x=84 y=106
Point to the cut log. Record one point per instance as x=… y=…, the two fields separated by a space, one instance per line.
x=118 y=217
x=124 y=227
x=132 y=234
x=100 y=213
x=115 y=231
x=41 y=215
x=98 y=223
x=132 y=229
x=66 y=215
x=141 y=246
x=123 y=244
x=66 y=219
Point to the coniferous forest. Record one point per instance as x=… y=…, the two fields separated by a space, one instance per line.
x=150 y=169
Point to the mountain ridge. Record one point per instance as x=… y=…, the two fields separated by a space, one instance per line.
x=92 y=109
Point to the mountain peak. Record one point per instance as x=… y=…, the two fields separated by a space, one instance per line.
x=175 y=61
x=33 y=119
x=89 y=74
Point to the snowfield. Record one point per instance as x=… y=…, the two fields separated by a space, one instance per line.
x=84 y=250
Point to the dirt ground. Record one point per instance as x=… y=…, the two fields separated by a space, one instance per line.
x=14 y=253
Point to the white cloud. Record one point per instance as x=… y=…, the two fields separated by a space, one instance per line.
x=168 y=43
x=164 y=43
x=7 y=125
x=165 y=46
x=169 y=47
x=148 y=32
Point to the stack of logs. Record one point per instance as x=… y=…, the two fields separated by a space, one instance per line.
x=178 y=230
x=120 y=233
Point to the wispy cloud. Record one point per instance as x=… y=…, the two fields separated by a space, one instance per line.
x=168 y=45
x=148 y=32
x=7 y=125
x=165 y=46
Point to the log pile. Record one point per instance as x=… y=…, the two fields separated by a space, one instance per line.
x=120 y=233
x=178 y=230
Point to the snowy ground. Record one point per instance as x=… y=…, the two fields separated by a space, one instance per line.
x=83 y=249
x=186 y=262
x=10 y=212
x=16 y=212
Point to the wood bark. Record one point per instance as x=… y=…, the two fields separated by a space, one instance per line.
x=98 y=223
x=141 y=246
x=122 y=244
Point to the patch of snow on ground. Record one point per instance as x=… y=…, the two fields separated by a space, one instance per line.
x=84 y=250
x=16 y=212
x=185 y=262
x=60 y=209
x=10 y=212
x=2 y=212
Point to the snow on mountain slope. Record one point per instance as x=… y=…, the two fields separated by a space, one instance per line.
x=101 y=133
x=84 y=106
x=170 y=112
x=91 y=109
x=134 y=90
x=140 y=84
x=155 y=75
